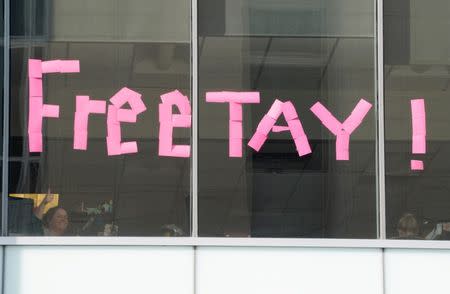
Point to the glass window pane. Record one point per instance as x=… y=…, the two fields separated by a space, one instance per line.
x=417 y=66
x=139 y=44
x=305 y=52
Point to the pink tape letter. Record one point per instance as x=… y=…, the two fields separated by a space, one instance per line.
x=37 y=109
x=418 y=126
x=267 y=124
x=419 y=131
x=342 y=131
x=168 y=121
x=84 y=107
x=235 y=100
x=116 y=115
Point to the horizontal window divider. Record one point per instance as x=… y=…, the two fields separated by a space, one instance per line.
x=224 y=242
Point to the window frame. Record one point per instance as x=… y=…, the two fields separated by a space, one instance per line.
x=194 y=239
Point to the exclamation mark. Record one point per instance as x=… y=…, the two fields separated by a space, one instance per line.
x=419 y=131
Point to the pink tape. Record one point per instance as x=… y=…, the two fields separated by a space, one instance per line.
x=35 y=68
x=236 y=111
x=84 y=107
x=342 y=131
x=114 y=137
x=235 y=147
x=35 y=86
x=181 y=151
x=51 y=66
x=302 y=145
x=49 y=110
x=116 y=115
x=174 y=98
x=265 y=125
x=168 y=121
x=238 y=97
x=416 y=165
x=66 y=66
x=165 y=112
x=276 y=109
x=418 y=126
x=327 y=119
x=236 y=131
x=289 y=111
x=279 y=129
x=37 y=109
x=181 y=120
x=165 y=139
x=295 y=127
x=35 y=116
x=60 y=66
x=357 y=116
x=126 y=115
x=342 y=146
x=257 y=141
x=235 y=100
x=128 y=147
x=134 y=99
x=35 y=142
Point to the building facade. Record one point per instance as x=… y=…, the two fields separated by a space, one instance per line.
x=225 y=146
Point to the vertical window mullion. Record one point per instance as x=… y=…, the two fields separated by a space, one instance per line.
x=194 y=99
x=380 y=122
x=6 y=55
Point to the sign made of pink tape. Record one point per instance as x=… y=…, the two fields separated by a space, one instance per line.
x=37 y=109
x=267 y=124
x=342 y=131
x=84 y=107
x=235 y=100
x=116 y=115
x=168 y=121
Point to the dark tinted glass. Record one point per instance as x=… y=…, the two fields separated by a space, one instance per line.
x=139 y=44
x=305 y=52
x=417 y=66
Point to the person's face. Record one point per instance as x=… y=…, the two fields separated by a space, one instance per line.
x=446 y=227
x=59 y=222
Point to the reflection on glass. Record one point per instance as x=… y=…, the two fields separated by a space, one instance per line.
x=417 y=66
x=142 y=45
x=299 y=51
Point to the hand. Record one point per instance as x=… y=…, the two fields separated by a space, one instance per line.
x=48 y=198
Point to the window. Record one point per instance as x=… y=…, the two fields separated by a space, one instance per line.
x=417 y=68
x=303 y=52
x=286 y=119
x=141 y=45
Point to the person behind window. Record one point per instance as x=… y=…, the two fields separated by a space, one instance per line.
x=54 y=222
x=440 y=232
x=408 y=227
x=171 y=230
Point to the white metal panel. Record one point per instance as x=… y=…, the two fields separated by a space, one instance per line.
x=222 y=270
x=417 y=271
x=73 y=269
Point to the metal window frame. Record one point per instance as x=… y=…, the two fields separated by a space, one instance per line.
x=195 y=240
x=5 y=143
x=194 y=99
x=380 y=182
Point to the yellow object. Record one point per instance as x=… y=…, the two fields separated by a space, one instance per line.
x=38 y=198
